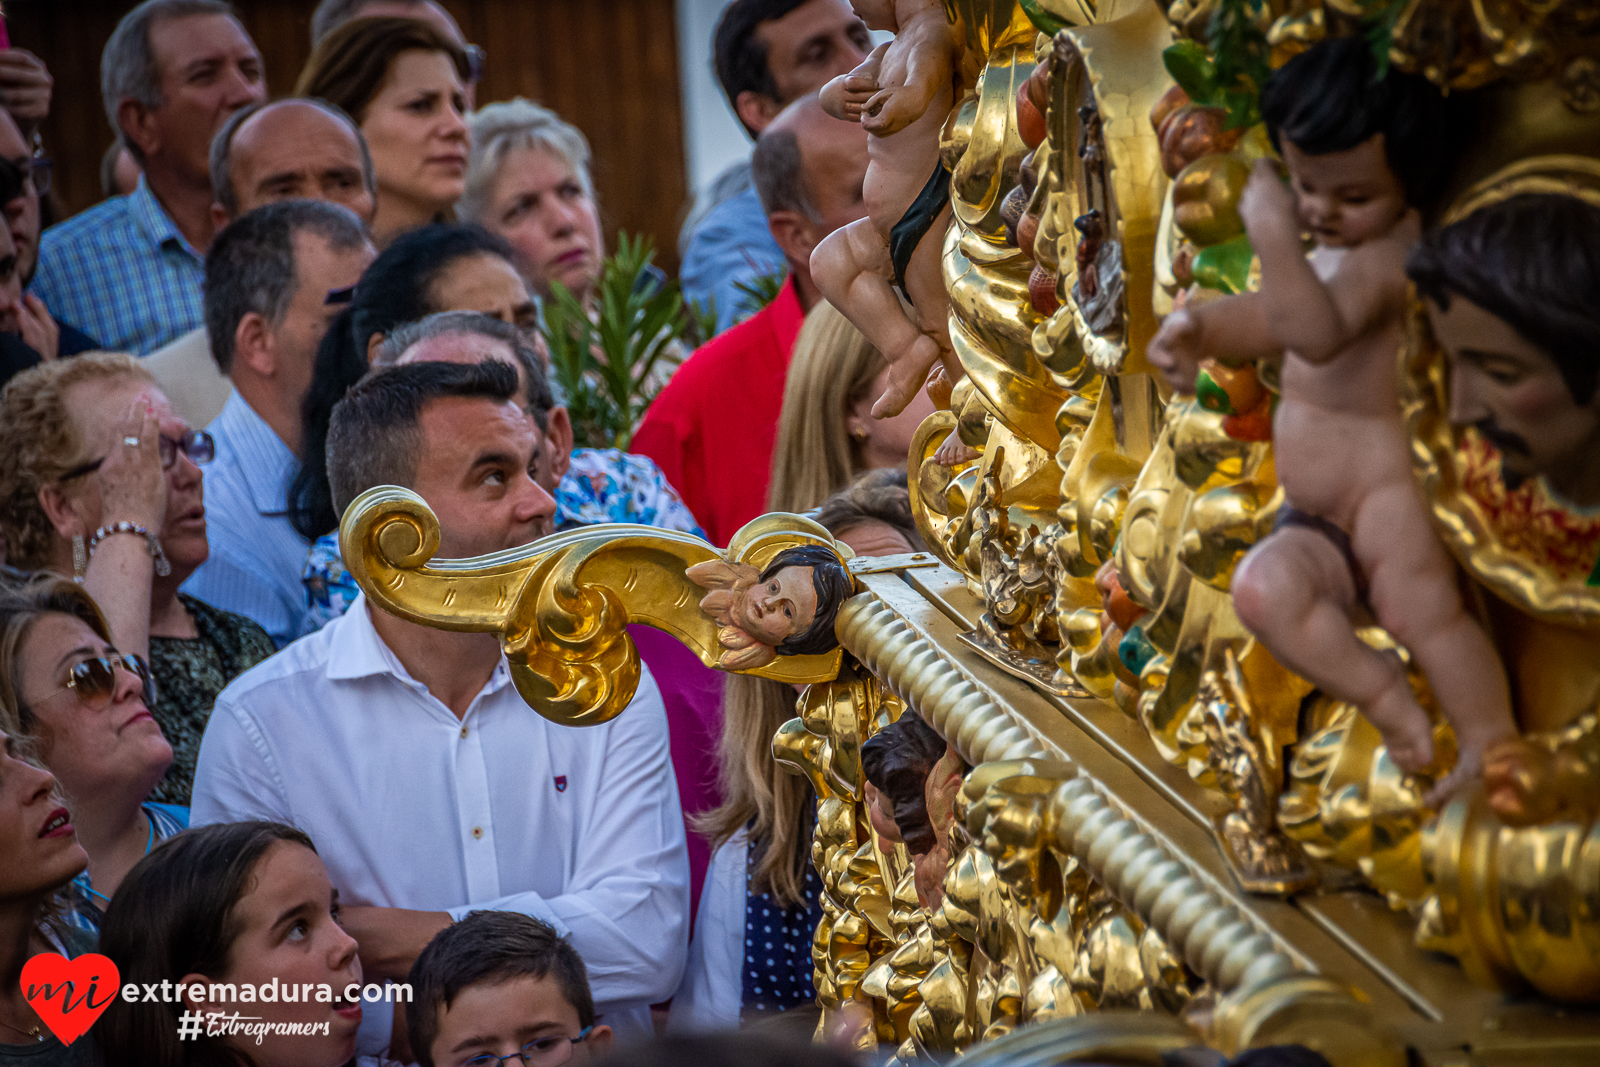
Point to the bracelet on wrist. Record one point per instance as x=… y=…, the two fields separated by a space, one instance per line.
x=152 y=542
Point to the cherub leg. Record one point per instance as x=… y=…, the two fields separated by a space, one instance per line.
x=1415 y=597
x=1294 y=591
x=852 y=268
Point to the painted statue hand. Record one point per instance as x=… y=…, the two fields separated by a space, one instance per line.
x=891 y=110
x=1177 y=350
x=859 y=89
x=1267 y=206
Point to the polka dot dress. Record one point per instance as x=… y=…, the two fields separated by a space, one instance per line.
x=777 y=948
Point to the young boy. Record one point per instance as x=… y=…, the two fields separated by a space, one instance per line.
x=500 y=983
x=1353 y=534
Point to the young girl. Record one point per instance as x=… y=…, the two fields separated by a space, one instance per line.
x=240 y=904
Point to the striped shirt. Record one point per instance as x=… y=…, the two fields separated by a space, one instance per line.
x=122 y=273
x=256 y=555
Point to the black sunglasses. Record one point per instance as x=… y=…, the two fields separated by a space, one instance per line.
x=94 y=680
x=196 y=444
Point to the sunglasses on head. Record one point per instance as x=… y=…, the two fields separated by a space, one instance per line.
x=196 y=444
x=94 y=680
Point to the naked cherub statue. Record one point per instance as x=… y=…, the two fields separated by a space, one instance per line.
x=788 y=609
x=1353 y=535
x=902 y=95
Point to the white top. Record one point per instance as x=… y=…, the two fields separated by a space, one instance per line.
x=501 y=809
x=712 y=992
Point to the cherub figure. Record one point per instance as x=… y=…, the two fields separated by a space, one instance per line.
x=1353 y=536
x=786 y=610
x=902 y=95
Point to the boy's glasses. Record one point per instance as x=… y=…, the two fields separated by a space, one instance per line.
x=94 y=680
x=540 y=1052
x=196 y=444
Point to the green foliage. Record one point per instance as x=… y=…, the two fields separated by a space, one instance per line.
x=701 y=324
x=1044 y=20
x=1229 y=70
x=605 y=365
x=761 y=291
x=1378 y=18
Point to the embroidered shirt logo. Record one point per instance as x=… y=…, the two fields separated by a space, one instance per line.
x=561 y=783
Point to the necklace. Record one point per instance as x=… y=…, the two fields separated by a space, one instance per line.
x=93 y=892
x=34 y=1033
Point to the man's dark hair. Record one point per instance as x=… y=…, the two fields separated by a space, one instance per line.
x=222 y=188
x=833 y=587
x=897 y=761
x=489 y=947
x=1330 y=99
x=741 y=56
x=778 y=173
x=251 y=267
x=447 y=323
x=1532 y=261
x=397 y=288
x=375 y=437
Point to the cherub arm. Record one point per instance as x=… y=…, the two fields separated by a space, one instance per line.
x=1317 y=320
x=929 y=65
x=1232 y=330
x=846 y=95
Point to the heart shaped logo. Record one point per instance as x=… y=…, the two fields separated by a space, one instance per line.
x=69 y=995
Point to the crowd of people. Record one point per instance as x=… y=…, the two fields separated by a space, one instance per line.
x=222 y=764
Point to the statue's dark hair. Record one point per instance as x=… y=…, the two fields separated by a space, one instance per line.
x=833 y=587
x=1330 y=99
x=1532 y=261
x=897 y=761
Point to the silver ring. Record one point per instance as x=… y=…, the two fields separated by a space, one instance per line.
x=131 y=442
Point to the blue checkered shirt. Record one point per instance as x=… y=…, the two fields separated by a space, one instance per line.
x=121 y=272
x=256 y=556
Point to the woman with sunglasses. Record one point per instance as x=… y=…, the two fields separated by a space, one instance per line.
x=85 y=707
x=102 y=482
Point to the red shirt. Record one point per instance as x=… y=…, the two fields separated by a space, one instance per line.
x=712 y=429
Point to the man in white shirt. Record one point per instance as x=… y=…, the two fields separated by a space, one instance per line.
x=429 y=787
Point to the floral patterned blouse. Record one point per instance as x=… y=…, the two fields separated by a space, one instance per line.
x=601 y=485
x=189 y=672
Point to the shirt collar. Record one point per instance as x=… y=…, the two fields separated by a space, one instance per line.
x=153 y=219
x=356 y=651
x=265 y=461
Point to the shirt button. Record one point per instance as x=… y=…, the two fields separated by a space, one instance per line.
x=463 y=731
x=477 y=833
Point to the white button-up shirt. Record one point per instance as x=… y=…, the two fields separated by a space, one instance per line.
x=500 y=809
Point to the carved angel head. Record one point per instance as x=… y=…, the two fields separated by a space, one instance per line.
x=786 y=610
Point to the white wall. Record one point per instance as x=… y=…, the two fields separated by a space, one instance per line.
x=713 y=137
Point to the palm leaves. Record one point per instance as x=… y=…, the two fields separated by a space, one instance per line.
x=608 y=365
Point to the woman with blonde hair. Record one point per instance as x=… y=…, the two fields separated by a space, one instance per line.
x=84 y=708
x=102 y=482
x=761 y=883
x=528 y=181
x=826 y=433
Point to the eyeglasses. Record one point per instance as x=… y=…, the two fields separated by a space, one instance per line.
x=476 y=58
x=94 y=680
x=540 y=1052
x=37 y=172
x=196 y=444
